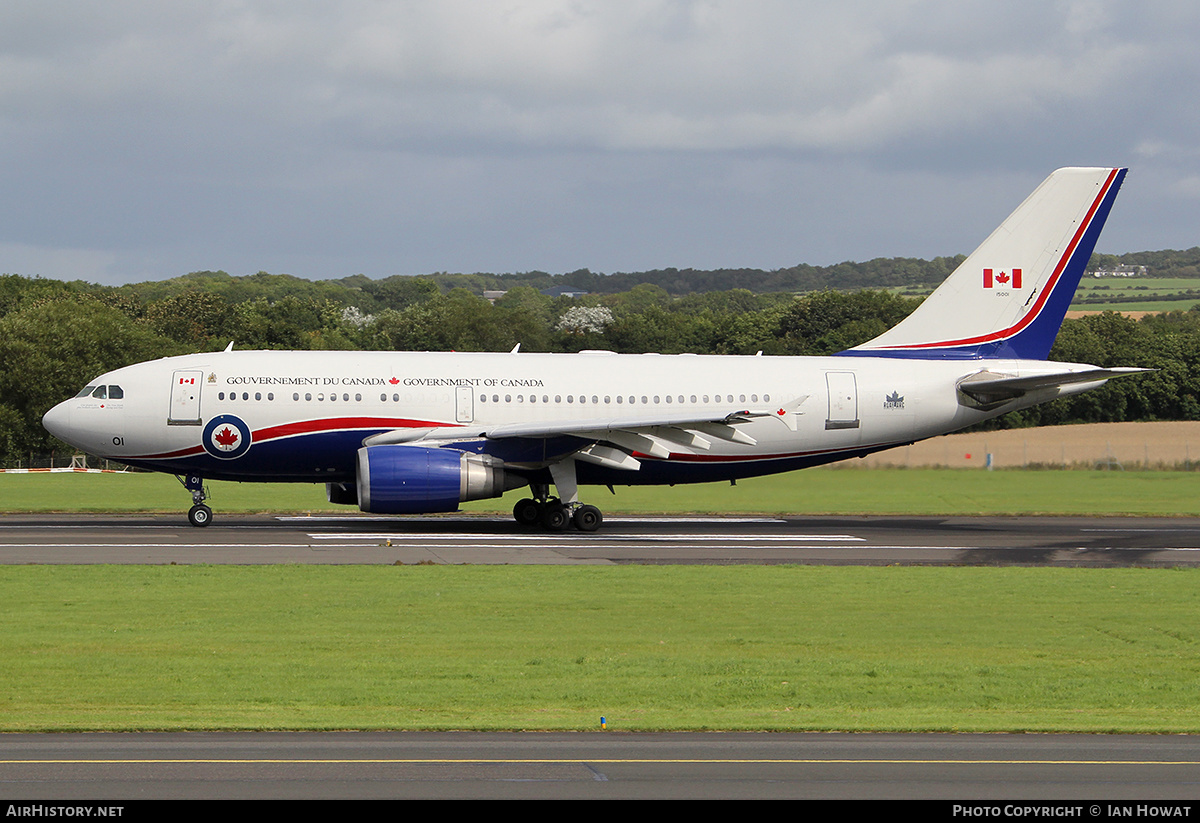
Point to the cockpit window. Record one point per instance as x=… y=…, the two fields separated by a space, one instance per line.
x=116 y=393
x=101 y=393
x=86 y=391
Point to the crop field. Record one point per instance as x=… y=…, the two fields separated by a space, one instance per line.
x=1101 y=446
x=1135 y=294
x=1145 y=294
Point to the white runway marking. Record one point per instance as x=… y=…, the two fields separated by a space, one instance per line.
x=342 y=518
x=578 y=540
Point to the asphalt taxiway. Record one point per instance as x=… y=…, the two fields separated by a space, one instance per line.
x=364 y=539
x=599 y=765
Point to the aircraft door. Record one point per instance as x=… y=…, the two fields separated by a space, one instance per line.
x=464 y=404
x=185 y=398
x=843 y=400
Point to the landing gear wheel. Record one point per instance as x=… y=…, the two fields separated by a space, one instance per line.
x=587 y=518
x=527 y=512
x=555 y=517
x=200 y=515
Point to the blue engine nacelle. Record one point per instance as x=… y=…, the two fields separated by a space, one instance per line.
x=393 y=479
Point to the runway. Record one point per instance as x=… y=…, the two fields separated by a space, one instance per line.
x=365 y=539
x=966 y=768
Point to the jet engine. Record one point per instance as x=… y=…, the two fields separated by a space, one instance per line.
x=395 y=479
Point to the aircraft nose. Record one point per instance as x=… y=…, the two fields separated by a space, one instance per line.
x=58 y=420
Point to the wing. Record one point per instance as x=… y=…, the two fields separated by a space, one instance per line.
x=611 y=441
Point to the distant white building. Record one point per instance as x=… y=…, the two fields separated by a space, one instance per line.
x=1121 y=271
x=564 y=291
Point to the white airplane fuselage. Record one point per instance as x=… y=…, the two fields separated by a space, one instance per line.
x=307 y=413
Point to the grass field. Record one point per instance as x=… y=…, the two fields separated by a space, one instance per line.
x=816 y=491
x=647 y=647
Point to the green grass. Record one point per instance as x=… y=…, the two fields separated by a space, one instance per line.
x=816 y=491
x=684 y=647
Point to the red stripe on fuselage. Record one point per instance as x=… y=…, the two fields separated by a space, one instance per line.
x=300 y=427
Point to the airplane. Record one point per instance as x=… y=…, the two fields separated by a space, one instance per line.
x=422 y=432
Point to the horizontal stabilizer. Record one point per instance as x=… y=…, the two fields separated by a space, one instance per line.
x=989 y=387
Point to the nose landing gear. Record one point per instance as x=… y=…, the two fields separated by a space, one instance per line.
x=199 y=514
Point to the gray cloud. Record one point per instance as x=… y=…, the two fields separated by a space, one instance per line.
x=147 y=139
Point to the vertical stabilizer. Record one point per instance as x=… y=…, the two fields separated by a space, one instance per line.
x=1009 y=298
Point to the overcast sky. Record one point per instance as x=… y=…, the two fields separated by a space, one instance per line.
x=143 y=140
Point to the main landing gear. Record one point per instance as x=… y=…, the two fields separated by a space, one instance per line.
x=199 y=514
x=556 y=516
x=553 y=514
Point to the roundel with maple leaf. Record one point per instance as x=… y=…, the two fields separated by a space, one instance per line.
x=226 y=436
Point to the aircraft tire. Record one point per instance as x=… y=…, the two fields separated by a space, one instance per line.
x=527 y=512
x=200 y=515
x=588 y=518
x=556 y=518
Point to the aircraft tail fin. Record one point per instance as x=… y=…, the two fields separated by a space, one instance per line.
x=1009 y=297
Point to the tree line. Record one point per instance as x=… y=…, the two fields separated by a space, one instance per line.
x=55 y=336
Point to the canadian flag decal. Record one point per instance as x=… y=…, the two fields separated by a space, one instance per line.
x=1003 y=280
